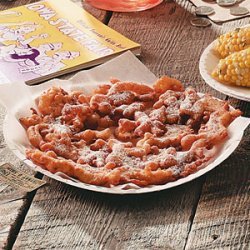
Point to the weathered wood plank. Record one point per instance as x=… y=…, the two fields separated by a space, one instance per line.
x=68 y=218
x=159 y=221
x=11 y=4
x=151 y=220
x=191 y=42
x=225 y=192
x=13 y=213
x=222 y=217
x=175 y=64
x=9 y=211
x=64 y=217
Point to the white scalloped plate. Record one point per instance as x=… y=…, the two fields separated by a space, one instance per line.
x=14 y=134
x=17 y=99
x=208 y=62
x=118 y=190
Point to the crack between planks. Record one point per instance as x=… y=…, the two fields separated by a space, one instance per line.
x=107 y=17
x=196 y=203
x=16 y=227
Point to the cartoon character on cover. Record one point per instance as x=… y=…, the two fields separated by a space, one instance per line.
x=16 y=31
x=48 y=65
x=25 y=52
x=21 y=49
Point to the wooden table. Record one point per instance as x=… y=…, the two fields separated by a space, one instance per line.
x=211 y=212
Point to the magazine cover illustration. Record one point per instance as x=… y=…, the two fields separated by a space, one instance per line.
x=44 y=38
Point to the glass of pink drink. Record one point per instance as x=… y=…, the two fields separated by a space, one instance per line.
x=124 y=5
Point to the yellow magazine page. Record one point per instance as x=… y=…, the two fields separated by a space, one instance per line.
x=48 y=37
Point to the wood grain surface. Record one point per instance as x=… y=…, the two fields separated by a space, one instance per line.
x=222 y=217
x=211 y=212
x=13 y=207
x=11 y=211
x=66 y=217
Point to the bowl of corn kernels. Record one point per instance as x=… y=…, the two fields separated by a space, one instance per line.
x=225 y=63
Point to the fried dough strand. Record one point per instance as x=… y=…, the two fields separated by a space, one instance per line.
x=127 y=132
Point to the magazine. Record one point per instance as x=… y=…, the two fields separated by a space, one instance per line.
x=46 y=39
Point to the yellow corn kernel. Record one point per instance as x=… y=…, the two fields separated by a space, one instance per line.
x=221 y=77
x=227 y=78
x=234 y=69
x=247 y=63
x=242 y=64
x=234 y=78
x=233 y=41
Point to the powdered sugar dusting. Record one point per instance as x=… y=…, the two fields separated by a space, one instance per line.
x=60 y=128
x=91 y=157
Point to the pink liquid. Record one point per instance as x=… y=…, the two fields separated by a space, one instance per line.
x=124 y=5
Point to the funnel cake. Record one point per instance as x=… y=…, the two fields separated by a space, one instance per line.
x=127 y=132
